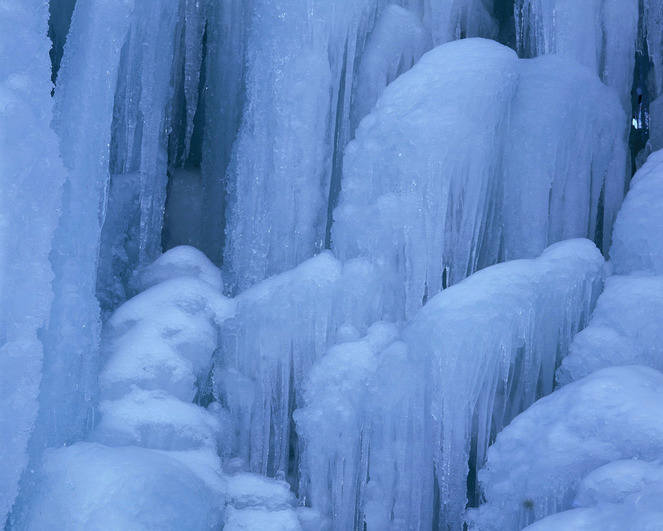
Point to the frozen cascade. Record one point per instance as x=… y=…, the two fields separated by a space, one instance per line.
x=536 y=464
x=301 y=69
x=30 y=195
x=412 y=165
x=82 y=120
x=281 y=327
x=395 y=410
x=600 y=34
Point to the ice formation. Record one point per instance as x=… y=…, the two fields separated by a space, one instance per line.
x=301 y=72
x=637 y=245
x=389 y=409
x=281 y=327
x=30 y=196
x=535 y=466
x=430 y=206
x=600 y=34
x=343 y=163
x=625 y=329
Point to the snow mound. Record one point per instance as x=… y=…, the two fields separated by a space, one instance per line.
x=535 y=466
x=625 y=329
x=89 y=486
x=181 y=261
x=457 y=152
x=637 y=245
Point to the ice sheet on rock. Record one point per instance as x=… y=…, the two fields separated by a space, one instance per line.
x=625 y=329
x=637 y=245
x=31 y=178
x=181 y=261
x=600 y=34
x=366 y=461
x=398 y=40
x=411 y=164
x=490 y=345
x=551 y=182
x=535 y=466
x=282 y=326
x=88 y=486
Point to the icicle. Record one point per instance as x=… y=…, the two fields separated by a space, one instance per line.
x=417 y=194
x=600 y=34
x=283 y=325
x=31 y=179
x=490 y=345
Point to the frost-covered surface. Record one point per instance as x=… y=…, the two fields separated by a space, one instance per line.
x=282 y=326
x=430 y=207
x=30 y=194
x=637 y=245
x=626 y=329
x=600 y=34
x=536 y=464
x=490 y=345
x=393 y=410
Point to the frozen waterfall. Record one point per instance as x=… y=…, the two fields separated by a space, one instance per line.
x=330 y=265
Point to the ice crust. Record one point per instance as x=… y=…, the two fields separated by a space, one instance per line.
x=536 y=464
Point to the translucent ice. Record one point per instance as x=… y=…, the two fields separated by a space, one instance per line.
x=31 y=179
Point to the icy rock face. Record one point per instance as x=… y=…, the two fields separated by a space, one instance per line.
x=536 y=464
x=600 y=34
x=301 y=72
x=365 y=411
x=548 y=180
x=281 y=327
x=490 y=345
x=637 y=245
x=625 y=329
x=407 y=168
x=430 y=207
x=31 y=178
